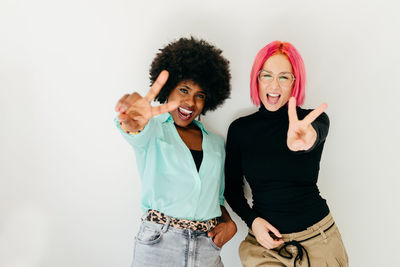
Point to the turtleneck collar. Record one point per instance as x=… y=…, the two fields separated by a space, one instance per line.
x=279 y=114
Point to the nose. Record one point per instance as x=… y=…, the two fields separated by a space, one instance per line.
x=189 y=100
x=275 y=83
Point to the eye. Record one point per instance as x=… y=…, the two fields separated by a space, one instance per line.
x=183 y=90
x=201 y=96
x=283 y=78
x=266 y=76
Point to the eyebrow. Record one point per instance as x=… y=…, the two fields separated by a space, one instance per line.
x=187 y=87
x=278 y=73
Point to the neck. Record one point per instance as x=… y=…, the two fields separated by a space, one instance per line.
x=282 y=112
x=187 y=127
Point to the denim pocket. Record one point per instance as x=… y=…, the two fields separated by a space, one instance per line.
x=148 y=235
x=213 y=244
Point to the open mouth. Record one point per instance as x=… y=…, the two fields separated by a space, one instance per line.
x=273 y=98
x=184 y=114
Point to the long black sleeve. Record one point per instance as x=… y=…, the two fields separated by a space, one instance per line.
x=235 y=183
x=321 y=126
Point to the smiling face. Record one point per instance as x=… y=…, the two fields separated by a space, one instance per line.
x=191 y=98
x=272 y=92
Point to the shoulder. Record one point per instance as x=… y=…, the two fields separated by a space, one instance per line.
x=216 y=139
x=161 y=118
x=217 y=142
x=160 y=122
x=243 y=122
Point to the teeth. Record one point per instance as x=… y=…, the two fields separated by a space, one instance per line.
x=185 y=111
x=274 y=95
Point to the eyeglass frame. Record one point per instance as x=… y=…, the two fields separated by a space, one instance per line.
x=275 y=75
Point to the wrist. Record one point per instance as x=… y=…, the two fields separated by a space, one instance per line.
x=230 y=222
x=127 y=131
x=233 y=225
x=255 y=221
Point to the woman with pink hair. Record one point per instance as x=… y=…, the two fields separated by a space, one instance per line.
x=278 y=150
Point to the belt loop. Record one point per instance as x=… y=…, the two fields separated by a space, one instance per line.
x=323 y=235
x=165 y=226
x=208 y=226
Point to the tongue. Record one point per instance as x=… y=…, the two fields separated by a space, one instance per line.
x=273 y=99
x=184 y=115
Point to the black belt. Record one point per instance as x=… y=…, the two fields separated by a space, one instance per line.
x=299 y=247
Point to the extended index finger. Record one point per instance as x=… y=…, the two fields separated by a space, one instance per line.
x=315 y=113
x=157 y=85
x=292 y=110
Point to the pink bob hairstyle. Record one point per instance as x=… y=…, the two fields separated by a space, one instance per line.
x=278 y=47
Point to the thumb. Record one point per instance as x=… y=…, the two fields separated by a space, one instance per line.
x=164 y=108
x=275 y=231
x=211 y=234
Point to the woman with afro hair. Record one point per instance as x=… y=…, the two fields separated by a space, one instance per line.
x=181 y=163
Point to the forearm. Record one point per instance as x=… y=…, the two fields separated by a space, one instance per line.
x=321 y=129
x=225 y=217
x=234 y=195
x=138 y=139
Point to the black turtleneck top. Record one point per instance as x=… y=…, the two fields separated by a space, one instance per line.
x=283 y=182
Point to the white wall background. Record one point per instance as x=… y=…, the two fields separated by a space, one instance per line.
x=69 y=188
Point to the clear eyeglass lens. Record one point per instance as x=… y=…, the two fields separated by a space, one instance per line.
x=284 y=79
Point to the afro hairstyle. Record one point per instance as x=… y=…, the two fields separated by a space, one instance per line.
x=195 y=60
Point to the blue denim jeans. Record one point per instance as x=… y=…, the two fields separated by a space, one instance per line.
x=163 y=245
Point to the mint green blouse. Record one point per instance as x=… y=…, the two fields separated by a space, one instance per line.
x=170 y=182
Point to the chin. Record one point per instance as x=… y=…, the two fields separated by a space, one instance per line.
x=274 y=108
x=180 y=122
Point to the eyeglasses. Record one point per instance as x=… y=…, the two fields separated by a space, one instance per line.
x=285 y=79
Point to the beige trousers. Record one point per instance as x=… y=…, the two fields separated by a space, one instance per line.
x=322 y=242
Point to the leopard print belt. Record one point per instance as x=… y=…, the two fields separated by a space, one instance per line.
x=199 y=226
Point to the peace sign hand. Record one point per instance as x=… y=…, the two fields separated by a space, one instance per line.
x=136 y=111
x=301 y=135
